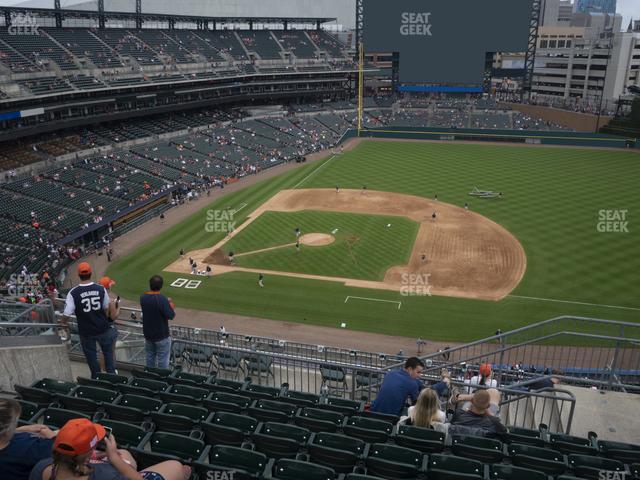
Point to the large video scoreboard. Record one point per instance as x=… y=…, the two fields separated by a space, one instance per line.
x=445 y=41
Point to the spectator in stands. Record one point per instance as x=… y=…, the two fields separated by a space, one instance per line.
x=399 y=385
x=89 y=302
x=482 y=413
x=75 y=447
x=114 y=305
x=544 y=382
x=157 y=310
x=20 y=447
x=484 y=378
x=426 y=411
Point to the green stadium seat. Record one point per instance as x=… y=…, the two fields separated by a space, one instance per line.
x=623 y=452
x=509 y=472
x=54 y=386
x=342 y=405
x=368 y=429
x=391 y=461
x=300 y=399
x=178 y=418
x=132 y=408
x=245 y=464
x=544 y=460
x=482 y=449
x=127 y=435
x=318 y=420
x=168 y=446
x=155 y=386
x=147 y=374
x=184 y=394
x=286 y=469
x=525 y=436
x=112 y=378
x=162 y=372
x=278 y=440
x=260 y=391
x=55 y=418
x=185 y=378
x=449 y=467
x=357 y=476
x=420 y=438
x=93 y=382
x=228 y=428
x=271 y=411
x=634 y=468
x=88 y=399
x=28 y=411
x=42 y=398
x=336 y=451
x=226 y=402
x=223 y=385
x=569 y=444
x=592 y=467
x=385 y=417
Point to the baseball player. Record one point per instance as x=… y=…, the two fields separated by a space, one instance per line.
x=337 y=188
x=261 y=280
x=297 y=246
x=433 y=216
x=182 y=253
x=466 y=207
x=435 y=198
x=194 y=268
x=208 y=270
x=232 y=259
x=423 y=257
x=364 y=190
x=297 y=230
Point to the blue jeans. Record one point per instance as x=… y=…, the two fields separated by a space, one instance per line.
x=107 y=342
x=158 y=352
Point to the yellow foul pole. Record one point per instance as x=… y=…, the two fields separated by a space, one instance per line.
x=360 y=86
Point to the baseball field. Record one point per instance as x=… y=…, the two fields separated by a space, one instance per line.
x=368 y=252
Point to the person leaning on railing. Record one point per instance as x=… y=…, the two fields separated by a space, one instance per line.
x=20 y=447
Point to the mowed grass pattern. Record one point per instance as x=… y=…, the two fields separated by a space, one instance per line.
x=551 y=201
x=364 y=247
x=552 y=198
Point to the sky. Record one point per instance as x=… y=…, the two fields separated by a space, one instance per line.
x=627 y=8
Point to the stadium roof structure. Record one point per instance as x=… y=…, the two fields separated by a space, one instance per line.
x=95 y=14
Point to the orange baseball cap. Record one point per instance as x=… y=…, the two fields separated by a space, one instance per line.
x=84 y=269
x=78 y=436
x=107 y=282
x=485 y=369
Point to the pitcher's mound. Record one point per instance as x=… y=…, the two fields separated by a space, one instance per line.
x=317 y=239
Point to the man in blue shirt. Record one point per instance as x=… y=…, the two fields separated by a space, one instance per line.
x=157 y=310
x=89 y=302
x=398 y=386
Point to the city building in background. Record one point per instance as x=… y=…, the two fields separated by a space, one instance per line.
x=596 y=6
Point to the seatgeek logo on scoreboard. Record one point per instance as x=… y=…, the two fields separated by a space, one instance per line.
x=415 y=24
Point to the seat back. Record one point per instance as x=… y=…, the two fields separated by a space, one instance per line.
x=286 y=469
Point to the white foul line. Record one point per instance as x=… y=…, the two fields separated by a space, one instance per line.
x=308 y=176
x=373 y=300
x=575 y=303
x=238 y=209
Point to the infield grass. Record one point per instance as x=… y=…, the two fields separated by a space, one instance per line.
x=552 y=201
x=364 y=247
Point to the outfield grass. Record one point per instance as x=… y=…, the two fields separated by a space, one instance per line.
x=552 y=199
x=364 y=247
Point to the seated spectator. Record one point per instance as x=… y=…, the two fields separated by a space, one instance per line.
x=74 y=458
x=397 y=386
x=20 y=447
x=484 y=378
x=426 y=411
x=544 y=382
x=481 y=417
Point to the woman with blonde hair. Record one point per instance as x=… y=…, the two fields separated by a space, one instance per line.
x=426 y=411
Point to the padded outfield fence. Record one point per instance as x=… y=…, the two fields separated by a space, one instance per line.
x=528 y=137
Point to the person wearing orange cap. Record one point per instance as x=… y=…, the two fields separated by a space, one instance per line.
x=74 y=448
x=114 y=304
x=89 y=302
x=484 y=378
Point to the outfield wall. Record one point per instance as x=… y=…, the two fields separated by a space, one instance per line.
x=529 y=137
